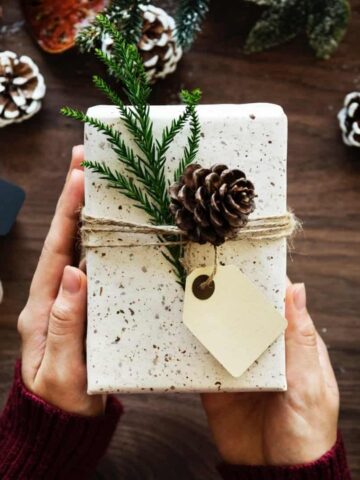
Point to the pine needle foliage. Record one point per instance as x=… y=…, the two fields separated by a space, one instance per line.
x=126 y=15
x=189 y=18
x=142 y=178
x=193 y=142
x=132 y=22
x=323 y=21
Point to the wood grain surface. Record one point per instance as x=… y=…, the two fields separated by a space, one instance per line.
x=165 y=437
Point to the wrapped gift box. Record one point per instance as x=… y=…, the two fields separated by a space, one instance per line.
x=136 y=340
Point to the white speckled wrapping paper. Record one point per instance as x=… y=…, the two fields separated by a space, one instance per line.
x=136 y=341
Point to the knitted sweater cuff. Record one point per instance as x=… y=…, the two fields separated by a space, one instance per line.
x=331 y=466
x=38 y=439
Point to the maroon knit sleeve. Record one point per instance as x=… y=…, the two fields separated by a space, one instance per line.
x=38 y=440
x=331 y=466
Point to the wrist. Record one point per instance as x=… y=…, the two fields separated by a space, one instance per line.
x=280 y=448
x=303 y=445
x=330 y=466
x=64 y=390
x=32 y=431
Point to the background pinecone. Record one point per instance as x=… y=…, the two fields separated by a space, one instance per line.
x=157 y=44
x=349 y=119
x=22 y=88
x=211 y=204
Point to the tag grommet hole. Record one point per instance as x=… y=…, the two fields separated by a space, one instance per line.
x=201 y=291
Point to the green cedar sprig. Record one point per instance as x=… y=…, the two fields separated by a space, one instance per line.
x=192 y=148
x=125 y=14
x=323 y=21
x=143 y=180
x=132 y=20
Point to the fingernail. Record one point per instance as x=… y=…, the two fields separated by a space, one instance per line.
x=299 y=296
x=76 y=150
x=75 y=174
x=71 y=280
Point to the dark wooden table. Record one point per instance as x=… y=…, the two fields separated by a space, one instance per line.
x=163 y=437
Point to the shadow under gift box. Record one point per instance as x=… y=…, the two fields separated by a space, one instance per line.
x=136 y=339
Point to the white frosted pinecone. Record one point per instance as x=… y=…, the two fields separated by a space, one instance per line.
x=349 y=119
x=157 y=44
x=22 y=87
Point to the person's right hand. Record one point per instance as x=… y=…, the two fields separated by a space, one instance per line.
x=52 y=324
x=287 y=428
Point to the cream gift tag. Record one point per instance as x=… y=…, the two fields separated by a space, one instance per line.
x=231 y=317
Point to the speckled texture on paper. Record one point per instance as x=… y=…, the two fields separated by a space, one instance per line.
x=136 y=341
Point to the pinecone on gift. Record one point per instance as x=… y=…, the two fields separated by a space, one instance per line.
x=211 y=204
x=22 y=88
x=349 y=119
x=157 y=44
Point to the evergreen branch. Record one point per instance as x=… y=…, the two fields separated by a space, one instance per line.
x=326 y=25
x=113 y=136
x=127 y=114
x=192 y=148
x=144 y=180
x=189 y=18
x=133 y=163
x=127 y=66
x=191 y=99
x=89 y=38
x=126 y=63
x=275 y=27
x=169 y=133
x=125 y=153
x=126 y=15
x=323 y=21
x=133 y=20
x=173 y=257
x=126 y=187
x=126 y=74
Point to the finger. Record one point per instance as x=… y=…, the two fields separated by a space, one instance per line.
x=77 y=157
x=65 y=337
x=302 y=354
x=59 y=244
x=325 y=364
x=322 y=350
x=82 y=265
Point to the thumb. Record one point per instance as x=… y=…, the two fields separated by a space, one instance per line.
x=65 y=338
x=302 y=354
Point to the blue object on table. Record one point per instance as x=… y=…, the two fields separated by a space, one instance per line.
x=11 y=199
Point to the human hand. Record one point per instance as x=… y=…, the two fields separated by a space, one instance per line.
x=282 y=428
x=52 y=324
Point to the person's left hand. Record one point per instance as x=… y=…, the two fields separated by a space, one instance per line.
x=282 y=428
x=52 y=324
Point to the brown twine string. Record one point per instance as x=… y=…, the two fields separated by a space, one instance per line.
x=95 y=230
x=268 y=228
x=214 y=270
